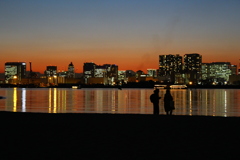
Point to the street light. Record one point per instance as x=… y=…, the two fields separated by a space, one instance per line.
x=15 y=79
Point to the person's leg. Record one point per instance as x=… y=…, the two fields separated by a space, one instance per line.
x=156 y=109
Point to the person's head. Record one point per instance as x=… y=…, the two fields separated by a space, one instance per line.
x=168 y=91
x=156 y=91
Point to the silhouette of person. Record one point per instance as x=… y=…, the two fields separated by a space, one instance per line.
x=168 y=102
x=155 y=100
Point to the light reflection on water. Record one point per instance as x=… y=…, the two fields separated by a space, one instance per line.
x=208 y=102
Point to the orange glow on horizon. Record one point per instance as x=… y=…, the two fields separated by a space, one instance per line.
x=131 y=59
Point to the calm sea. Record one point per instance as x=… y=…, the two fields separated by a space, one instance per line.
x=207 y=102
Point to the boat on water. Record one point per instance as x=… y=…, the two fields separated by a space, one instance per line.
x=76 y=87
x=182 y=86
x=174 y=86
x=159 y=86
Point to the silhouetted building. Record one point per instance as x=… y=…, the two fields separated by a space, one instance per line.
x=51 y=71
x=192 y=67
x=14 y=72
x=71 y=73
x=88 y=71
x=139 y=73
x=130 y=73
x=234 y=69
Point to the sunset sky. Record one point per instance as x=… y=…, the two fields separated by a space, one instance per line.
x=129 y=33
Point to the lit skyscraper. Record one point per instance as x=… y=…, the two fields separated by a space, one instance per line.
x=192 y=67
x=169 y=66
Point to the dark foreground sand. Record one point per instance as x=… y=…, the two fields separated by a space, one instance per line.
x=117 y=136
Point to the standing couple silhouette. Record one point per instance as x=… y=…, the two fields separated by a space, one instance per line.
x=168 y=102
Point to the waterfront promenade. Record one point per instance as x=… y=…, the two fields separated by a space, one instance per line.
x=117 y=136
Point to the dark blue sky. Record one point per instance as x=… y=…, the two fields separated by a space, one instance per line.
x=57 y=32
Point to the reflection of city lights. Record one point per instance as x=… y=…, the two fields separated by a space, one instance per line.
x=225 y=103
x=55 y=100
x=15 y=100
x=190 y=103
x=50 y=100
x=23 y=100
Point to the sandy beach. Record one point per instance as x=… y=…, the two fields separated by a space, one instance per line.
x=117 y=136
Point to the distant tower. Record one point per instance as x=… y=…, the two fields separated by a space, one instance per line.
x=71 y=73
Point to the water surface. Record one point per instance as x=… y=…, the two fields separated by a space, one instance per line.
x=207 y=102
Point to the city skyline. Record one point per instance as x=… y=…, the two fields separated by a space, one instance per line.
x=113 y=32
x=180 y=59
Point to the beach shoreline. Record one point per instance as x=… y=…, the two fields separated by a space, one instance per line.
x=118 y=136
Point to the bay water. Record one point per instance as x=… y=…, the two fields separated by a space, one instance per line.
x=202 y=102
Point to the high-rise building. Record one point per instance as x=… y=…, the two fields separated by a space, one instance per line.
x=88 y=71
x=192 y=67
x=192 y=62
x=169 y=66
x=15 y=71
